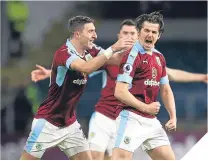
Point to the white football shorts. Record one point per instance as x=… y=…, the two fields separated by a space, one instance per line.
x=44 y=135
x=101 y=134
x=134 y=130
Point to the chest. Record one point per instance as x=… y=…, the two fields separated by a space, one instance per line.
x=150 y=65
x=76 y=79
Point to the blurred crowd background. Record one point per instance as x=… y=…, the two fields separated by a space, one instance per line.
x=31 y=31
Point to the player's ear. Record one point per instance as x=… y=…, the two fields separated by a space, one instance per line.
x=77 y=34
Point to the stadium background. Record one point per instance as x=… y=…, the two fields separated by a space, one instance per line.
x=44 y=28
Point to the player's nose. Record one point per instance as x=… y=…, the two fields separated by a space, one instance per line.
x=95 y=35
x=149 y=35
x=129 y=36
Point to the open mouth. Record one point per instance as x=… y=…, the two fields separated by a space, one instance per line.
x=148 y=42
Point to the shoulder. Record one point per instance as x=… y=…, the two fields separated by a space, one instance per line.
x=158 y=53
x=62 y=50
x=159 y=57
x=65 y=51
x=133 y=53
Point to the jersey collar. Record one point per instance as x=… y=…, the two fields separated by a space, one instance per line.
x=141 y=49
x=71 y=47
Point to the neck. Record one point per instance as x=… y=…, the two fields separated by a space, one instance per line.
x=147 y=51
x=78 y=47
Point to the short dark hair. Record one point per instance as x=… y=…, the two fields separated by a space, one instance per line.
x=77 y=23
x=128 y=22
x=154 y=17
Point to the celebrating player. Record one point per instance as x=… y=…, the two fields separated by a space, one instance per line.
x=141 y=76
x=55 y=123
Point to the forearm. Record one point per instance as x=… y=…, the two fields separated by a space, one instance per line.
x=115 y=59
x=169 y=102
x=183 y=76
x=127 y=98
x=94 y=64
x=110 y=55
x=190 y=77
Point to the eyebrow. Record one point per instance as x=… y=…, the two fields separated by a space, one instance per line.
x=91 y=30
x=150 y=30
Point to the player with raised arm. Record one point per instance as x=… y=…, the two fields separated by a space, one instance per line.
x=55 y=123
x=141 y=76
x=101 y=136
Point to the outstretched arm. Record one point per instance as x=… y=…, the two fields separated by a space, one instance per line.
x=176 y=75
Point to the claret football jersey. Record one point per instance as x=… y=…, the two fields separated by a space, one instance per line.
x=144 y=73
x=66 y=86
x=107 y=103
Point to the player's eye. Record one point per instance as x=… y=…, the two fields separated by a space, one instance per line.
x=154 y=32
x=125 y=33
x=91 y=31
x=146 y=30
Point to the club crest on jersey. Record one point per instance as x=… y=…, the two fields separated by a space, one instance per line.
x=158 y=60
x=127 y=140
x=127 y=68
x=88 y=57
x=39 y=146
x=154 y=72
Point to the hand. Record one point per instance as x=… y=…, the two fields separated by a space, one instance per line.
x=40 y=74
x=122 y=44
x=153 y=108
x=171 y=125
